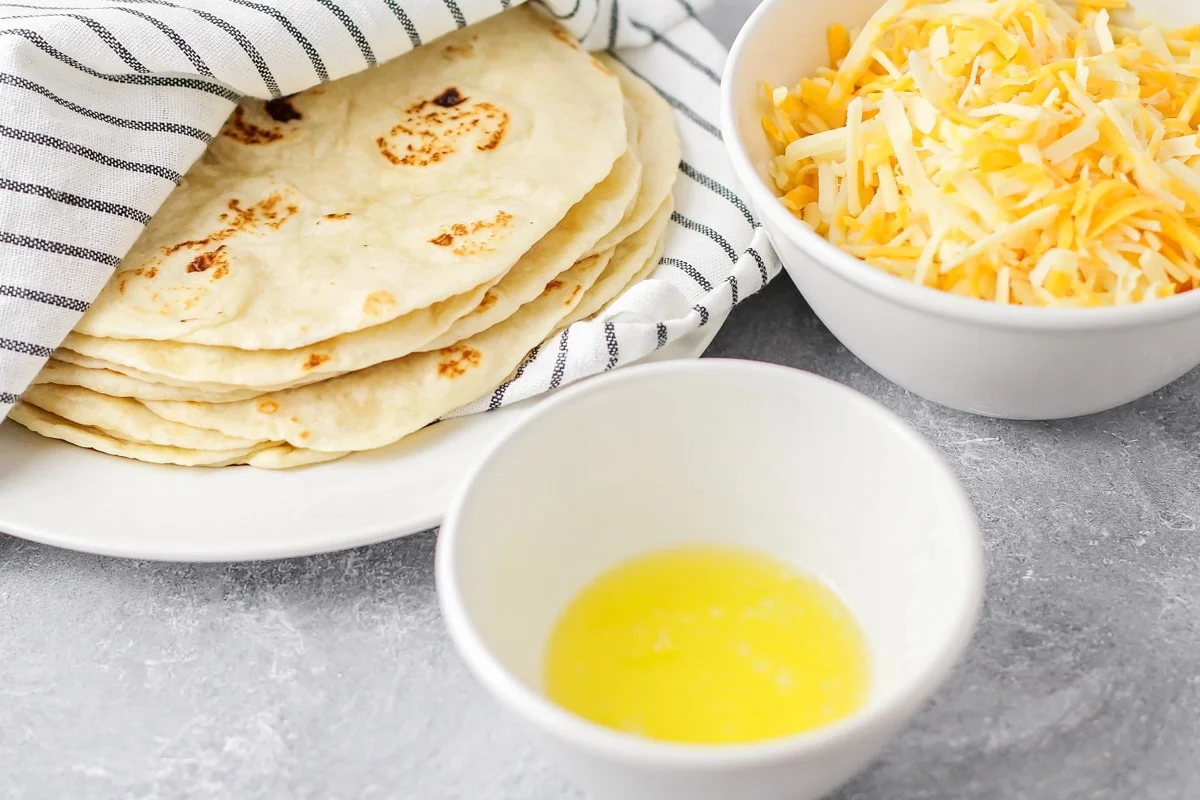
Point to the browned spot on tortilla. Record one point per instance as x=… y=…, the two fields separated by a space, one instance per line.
x=449 y=98
x=145 y=272
x=206 y=261
x=174 y=301
x=342 y=215
x=453 y=51
x=489 y=300
x=239 y=219
x=377 y=302
x=240 y=129
x=574 y=294
x=551 y=286
x=382 y=143
x=304 y=434
x=498 y=118
x=281 y=109
x=315 y=360
x=432 y=130
x=563 y=35
x=480 y=236
x=220 y=272
x=456 y=360
x=141 y=272
x=268 y=407
x=294 y=419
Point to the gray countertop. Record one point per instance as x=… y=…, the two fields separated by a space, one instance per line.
x=331 y=676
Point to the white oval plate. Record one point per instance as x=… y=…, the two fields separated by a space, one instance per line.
x=67 y=496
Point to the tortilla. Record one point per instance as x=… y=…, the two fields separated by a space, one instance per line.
x=71 y=357
x=659 y=150
x=362 y=200
x=382 y=404
x=531 y=274
x=116 y=384
x=55 y=427
x=344 y=266
x=424 y=329
x=129 y=420
x=630 y=258
x=278 y=456
x=648 y=270
x=284 y=456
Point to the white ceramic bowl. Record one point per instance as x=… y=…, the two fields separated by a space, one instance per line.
x=712 y=452
x=1013 y=362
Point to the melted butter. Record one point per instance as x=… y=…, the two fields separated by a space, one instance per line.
x=707 y=644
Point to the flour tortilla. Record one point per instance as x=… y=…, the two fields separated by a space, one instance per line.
x=384 y=403
x=651 y=265
x=194 y=364
x=558 y=248
x=115 y=384
x=71 y=357
x=128 y=420
x=659 y=150
x=276 y=456
x=449 y=321
x=55 y=427
x=284 y=456
x=309 y=217
x=630 y=258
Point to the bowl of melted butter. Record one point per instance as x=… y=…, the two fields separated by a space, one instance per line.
x=711 y=579
x=708 y=644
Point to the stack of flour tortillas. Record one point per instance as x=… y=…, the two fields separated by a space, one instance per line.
x=344 y=266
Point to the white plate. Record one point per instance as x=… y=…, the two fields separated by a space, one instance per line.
x=67 y=496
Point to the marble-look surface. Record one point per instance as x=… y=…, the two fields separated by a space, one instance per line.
x=331 y=676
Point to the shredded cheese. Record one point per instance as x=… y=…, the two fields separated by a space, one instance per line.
x=1012 y=151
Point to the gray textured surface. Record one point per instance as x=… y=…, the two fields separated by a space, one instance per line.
x=331 y=676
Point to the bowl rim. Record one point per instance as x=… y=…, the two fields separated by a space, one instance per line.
x=884 y=714
x=890 y=287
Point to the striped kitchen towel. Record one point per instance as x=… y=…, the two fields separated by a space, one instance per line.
x=106 y=103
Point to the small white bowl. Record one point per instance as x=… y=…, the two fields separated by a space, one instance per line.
x=1002 y=361
x=712 y=451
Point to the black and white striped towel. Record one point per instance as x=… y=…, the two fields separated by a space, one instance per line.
x=104 y=104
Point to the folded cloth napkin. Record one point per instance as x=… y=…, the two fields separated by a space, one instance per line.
x=107 y=103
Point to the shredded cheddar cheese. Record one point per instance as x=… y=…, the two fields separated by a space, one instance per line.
x=1012 y=151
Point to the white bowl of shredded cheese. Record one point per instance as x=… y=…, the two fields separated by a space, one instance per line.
x=993 y=203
